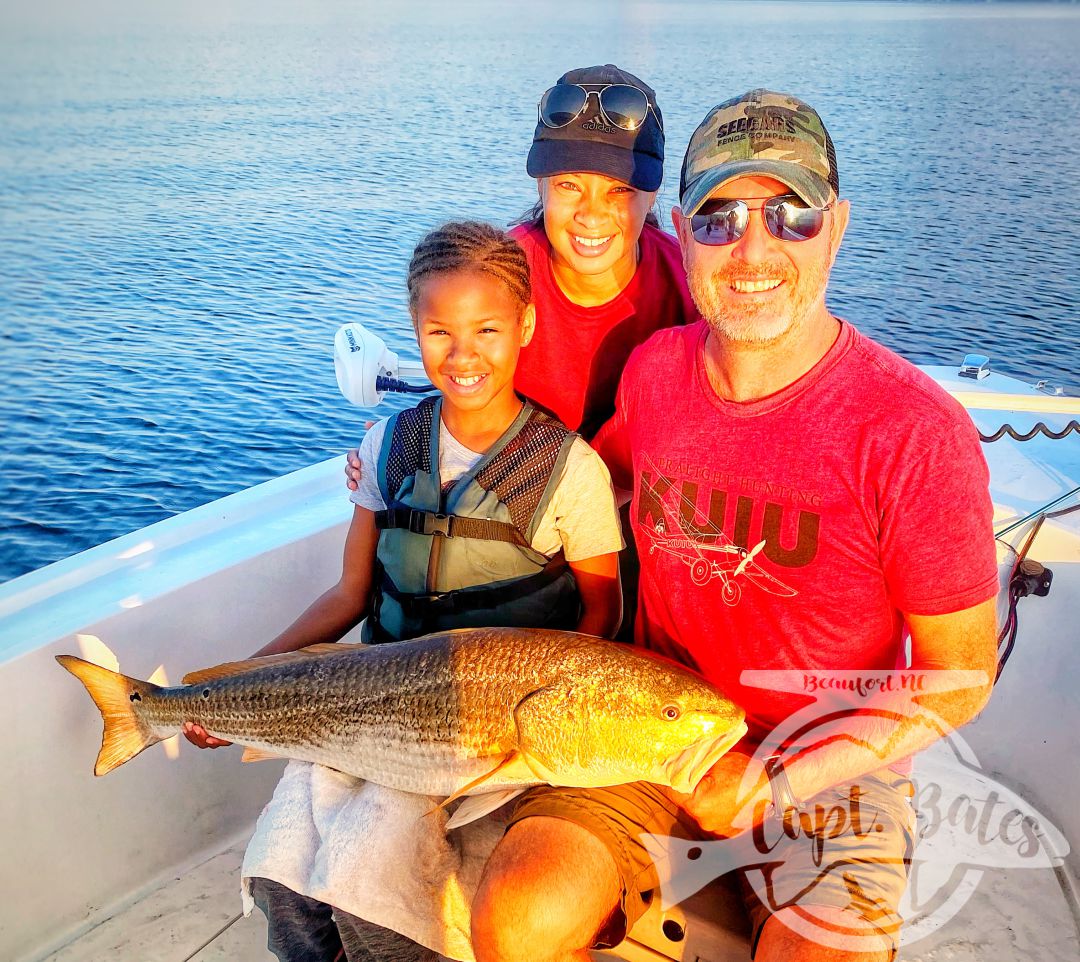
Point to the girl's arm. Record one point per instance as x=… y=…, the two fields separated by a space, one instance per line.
x=601 y=594
x=585 y=522
x=332 y=614
x=341 y=607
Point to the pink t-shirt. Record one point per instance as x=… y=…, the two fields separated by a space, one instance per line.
x=573 y=363
x=864 y=480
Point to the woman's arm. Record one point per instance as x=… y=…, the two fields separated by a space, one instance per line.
x=601 y=594
x=332 y=614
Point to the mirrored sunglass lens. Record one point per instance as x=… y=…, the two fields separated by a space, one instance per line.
x=624 y=105
x=561 y=104
x=719 y=225
x=788 y=218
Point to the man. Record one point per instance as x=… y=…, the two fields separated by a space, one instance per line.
x=801 y=498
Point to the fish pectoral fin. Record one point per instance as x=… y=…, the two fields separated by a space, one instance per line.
x=259 y=755
x=204 y=675
x=534 y=714
x=511 y=760
x=477 y=806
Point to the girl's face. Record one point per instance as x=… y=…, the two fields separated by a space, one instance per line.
x=593 y=222
x=471 y=330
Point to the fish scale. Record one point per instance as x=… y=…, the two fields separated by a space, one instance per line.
x=436 y=714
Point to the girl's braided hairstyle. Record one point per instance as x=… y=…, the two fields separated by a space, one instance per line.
x=469 y=245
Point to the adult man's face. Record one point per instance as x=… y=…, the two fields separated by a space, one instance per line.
x=759 y=288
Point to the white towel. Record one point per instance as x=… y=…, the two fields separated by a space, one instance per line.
x=374 y=852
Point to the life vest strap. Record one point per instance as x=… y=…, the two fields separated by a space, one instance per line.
x=419 y=605
x=448 y=525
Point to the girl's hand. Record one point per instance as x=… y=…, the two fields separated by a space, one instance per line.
x=198 y=737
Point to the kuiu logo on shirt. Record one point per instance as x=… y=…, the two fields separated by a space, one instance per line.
x=681 y=503
x=666 y=522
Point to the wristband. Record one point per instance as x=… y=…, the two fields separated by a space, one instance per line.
x=785 y=803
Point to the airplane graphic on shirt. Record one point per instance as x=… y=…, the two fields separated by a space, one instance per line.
x=711 y=555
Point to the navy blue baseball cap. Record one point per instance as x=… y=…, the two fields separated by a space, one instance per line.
x=591 y=144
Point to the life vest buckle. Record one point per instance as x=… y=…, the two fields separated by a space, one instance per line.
x=436 y=524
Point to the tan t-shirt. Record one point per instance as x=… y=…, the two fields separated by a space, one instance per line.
x=581 y=518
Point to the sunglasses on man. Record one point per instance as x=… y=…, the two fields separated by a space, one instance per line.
x=787 y=218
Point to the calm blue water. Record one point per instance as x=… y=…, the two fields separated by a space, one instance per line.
x=193 y=199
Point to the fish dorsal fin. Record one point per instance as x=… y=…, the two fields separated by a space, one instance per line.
x=477 y=806
x=204 y=675
x=259 y=755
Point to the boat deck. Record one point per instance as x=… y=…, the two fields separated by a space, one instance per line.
x=1014 y=916
x=195 y=917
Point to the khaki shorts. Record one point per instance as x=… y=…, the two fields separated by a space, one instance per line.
x=850 y=849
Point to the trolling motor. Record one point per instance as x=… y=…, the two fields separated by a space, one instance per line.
x=367 y=370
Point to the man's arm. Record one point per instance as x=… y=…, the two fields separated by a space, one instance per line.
x=875 y=733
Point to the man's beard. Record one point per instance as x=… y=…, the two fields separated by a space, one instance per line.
x=742 y=319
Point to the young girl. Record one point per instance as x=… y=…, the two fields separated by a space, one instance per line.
x=475 y=509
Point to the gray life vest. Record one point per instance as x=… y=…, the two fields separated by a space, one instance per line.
x=460 y=556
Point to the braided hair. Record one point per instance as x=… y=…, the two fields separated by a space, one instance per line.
x=469 y=245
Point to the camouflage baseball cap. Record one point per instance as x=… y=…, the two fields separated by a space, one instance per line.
x=761 y=132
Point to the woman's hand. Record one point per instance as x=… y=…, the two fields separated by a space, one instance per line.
x=352 y=469
x=352 y=466
x=199 y=737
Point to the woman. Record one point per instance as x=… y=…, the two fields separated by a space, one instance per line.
x=605 y=277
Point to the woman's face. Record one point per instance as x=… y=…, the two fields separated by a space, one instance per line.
x=593 y=222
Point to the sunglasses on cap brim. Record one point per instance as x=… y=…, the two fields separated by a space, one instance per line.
x=621 y=105
x=787 y=218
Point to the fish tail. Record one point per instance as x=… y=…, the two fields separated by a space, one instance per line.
x=117 y=698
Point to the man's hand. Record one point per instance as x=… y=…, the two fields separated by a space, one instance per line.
x=198 y=737
x=352 y=469
x=725 y=801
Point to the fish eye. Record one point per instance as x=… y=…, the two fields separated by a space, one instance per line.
x=670 y=712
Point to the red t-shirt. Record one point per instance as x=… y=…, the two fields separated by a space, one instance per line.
x=864 y=480
x=573 y=363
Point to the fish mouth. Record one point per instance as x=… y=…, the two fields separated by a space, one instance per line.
x=687 y=768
